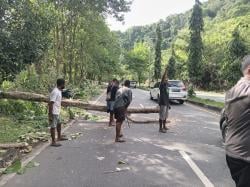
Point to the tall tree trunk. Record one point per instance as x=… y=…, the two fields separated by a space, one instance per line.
x=72 y=57
x=57 y=35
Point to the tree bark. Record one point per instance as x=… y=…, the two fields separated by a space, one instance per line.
x=26 y=96
x=14 y=145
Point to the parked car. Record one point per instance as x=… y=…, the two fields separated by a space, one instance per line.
x=223 y=125
x=133 y=84
x=177 y=91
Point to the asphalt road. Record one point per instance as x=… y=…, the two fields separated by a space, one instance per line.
x=190 y=154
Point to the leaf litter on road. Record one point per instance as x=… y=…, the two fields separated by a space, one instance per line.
x=122 y=162
x=119 y=169
x=16 y=167
x=75 y=136
x=100 y=158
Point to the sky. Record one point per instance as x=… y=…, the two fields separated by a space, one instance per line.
x=145 y=12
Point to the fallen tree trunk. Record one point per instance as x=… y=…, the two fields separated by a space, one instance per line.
x=14 y=145
x=26 y=96
x=145 y=121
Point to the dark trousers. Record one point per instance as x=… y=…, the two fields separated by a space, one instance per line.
x=240 y=171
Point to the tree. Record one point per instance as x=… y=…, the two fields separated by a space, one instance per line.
x=137 y=60
x=235 y=52
x=69 y=37
x=195 y=48
x=26 y=27
x=171 y=67
x=157 y=65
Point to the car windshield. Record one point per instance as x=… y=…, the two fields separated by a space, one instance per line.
x=176 y=84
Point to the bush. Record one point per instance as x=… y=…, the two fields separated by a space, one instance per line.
x=39 y=83
x=21 y=109
x=191 y=91
x=7 y=85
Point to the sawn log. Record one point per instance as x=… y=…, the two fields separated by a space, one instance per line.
x=27 y=96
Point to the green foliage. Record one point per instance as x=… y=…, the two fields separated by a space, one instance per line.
x=21 y=109
x=236 y=47
x=208 y=102
x=235 y=53
x=195 y=48
x=158 y=48
x=14 y=168
x=69 y=37
x=24 y=35
x=221 y=17
x=171 y=68
x=137 y=60
x=191 y=91
x=7 y=85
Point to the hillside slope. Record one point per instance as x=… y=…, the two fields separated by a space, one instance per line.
x=221 y=18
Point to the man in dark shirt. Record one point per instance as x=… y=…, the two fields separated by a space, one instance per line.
x=237 y=111
x=108 y=95
x=164 y=104
x=113 y=91
x=122 y=102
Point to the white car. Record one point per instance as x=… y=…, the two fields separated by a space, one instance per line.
x=133 y=84
x=177 y=91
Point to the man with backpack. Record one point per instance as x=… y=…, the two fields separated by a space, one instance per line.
x=122 y=102
x=237 y=141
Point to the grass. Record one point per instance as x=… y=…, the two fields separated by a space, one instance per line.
x=208 y=102
x=11 y=129
x=18 y=118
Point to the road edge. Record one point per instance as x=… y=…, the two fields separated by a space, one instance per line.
x=29 y=157
x=213 y=108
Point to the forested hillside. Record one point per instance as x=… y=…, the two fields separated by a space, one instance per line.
x=223 y=20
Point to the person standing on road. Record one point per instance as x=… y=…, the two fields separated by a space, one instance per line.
x=237 y=143
x=164 y=104
x=114 y=88
x=54 y=112
x=122 y=102
x=108 y=95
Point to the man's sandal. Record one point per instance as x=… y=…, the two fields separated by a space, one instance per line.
x=63 y=138
x=120 y=141
x=56 y=145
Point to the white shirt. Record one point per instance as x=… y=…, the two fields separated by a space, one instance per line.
x=56 y=97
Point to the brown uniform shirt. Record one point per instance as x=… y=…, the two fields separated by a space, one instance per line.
x=237 y=110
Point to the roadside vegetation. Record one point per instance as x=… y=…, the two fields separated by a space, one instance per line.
x=207 y=102
x=41 y=41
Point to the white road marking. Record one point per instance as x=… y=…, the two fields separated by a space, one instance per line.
x=98 y=99
x=211 y=129
x=196 y=169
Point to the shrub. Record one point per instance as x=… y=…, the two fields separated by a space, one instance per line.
x=191 y=91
